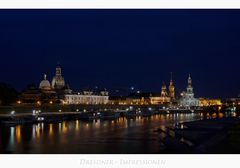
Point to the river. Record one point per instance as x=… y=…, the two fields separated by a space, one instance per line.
x=121 y=136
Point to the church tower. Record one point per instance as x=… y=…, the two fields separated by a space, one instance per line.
x=189 y=87
x=188 y=99
x=58 y=71
x=58 y=81
x=171 y=89
x=164 y=90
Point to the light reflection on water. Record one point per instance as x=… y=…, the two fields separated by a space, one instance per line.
x=50 y=133
x=18 y=134
x=135 y=135
x=12 y=137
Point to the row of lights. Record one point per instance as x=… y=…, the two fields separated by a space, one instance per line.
x=77 y=110
x=38 y=102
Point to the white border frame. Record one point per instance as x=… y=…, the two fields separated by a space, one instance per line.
x=119 y=161
x=119 y=4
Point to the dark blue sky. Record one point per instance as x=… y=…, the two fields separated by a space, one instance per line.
x=123 y=48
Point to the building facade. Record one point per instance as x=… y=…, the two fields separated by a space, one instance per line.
x=187 y=99
x=59 y=92
x=209 y=102
x=42 y=95
x=86 y=97
x=163 y=99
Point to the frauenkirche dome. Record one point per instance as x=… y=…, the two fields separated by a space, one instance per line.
x=45 y=84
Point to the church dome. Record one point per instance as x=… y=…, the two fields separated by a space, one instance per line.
x=45 y=84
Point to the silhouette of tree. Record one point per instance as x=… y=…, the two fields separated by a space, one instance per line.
x=8 y=94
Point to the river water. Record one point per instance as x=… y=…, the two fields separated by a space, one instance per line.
x=121 y=136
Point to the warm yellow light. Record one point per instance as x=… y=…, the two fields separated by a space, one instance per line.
x=219 y=108
x=51 y=102
x=18 y=133
x=50 y=129
x=38 y=102
x=19 y=102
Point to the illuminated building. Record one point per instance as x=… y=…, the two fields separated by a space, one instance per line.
x=60 y=92
x=164 y=98
x=209 y=102
x=134 y=98
x=136 y=101
x=45 y=84
x=159 y=100
x=43 y=94
x=87 y=97
x=58 y=81
x=164 y=90
x=233 y=101
x=138 y=98
x=171 y=89
x=47 y=93
x=187 y=99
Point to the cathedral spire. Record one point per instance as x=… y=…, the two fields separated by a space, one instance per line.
x=189 y=87
x=171 y=87
x=189 y=80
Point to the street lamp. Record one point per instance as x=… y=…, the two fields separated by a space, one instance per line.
x=12 y=112
x=34 y=112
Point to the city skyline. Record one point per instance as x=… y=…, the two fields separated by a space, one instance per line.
x=129 y=90
x=115 y=49
x=115 y=81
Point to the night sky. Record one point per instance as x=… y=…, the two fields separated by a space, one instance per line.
x=123 y=48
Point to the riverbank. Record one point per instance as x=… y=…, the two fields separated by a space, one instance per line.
x=28 y=108
x=55 y=113
x=214 y=136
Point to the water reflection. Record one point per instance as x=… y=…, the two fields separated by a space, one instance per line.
x=18 y=133
x=97 y=124
x=37 y=128
x=59 y=128
x=96 y=136
x=64 y=127
x=77 y=125
x=12 y=137
x=50 y=133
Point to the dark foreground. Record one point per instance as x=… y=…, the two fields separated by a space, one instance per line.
x=214 y=136
x=162 y=133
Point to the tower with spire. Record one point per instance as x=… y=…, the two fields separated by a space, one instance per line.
x=190 y=88
x=188 y=99
x=171 y=89
x=164 y=90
